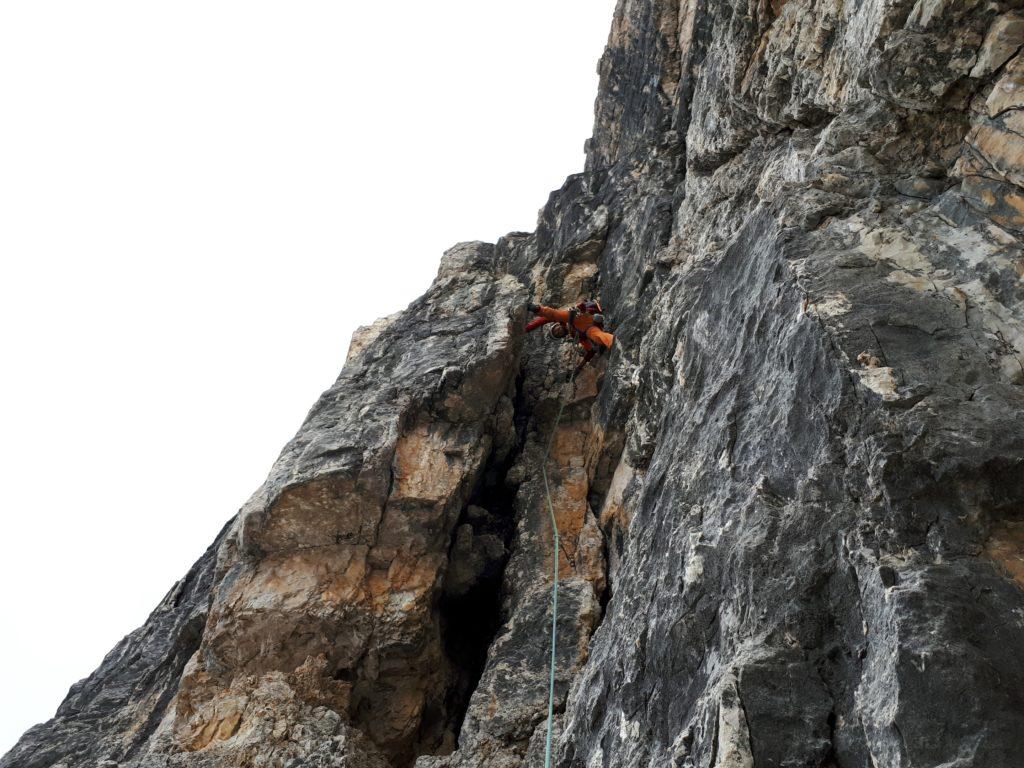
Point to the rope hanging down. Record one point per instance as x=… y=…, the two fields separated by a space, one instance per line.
x=554 y=583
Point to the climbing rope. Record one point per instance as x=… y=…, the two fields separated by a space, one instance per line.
x=554 y=583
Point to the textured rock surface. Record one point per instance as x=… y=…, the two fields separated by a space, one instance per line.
x=792 y=498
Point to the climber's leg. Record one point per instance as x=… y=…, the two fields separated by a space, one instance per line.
x=588 y=353
x=551 y=314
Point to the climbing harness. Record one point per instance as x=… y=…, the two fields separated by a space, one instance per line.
x=573 y=330
x=554 y=584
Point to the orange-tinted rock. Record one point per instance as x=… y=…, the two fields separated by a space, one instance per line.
x=1008 y=92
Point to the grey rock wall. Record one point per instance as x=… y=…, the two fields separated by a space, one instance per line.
x=791 y=499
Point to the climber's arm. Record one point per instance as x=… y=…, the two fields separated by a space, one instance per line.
x=536 y=323
x=599 y=337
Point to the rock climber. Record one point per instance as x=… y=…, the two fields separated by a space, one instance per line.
x=583 y=323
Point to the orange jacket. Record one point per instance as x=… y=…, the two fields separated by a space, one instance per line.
x=582 y=326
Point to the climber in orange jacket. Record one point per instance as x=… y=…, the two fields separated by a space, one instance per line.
x=584 y=323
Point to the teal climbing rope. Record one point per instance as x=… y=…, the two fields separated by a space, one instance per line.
x=554 y=583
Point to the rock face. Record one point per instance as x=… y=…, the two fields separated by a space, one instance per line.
x=791 y=499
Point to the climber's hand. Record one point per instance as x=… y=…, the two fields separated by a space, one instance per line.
x=532 y=307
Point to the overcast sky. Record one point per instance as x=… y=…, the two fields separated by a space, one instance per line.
x=199 y=202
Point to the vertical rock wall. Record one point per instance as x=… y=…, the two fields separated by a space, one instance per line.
x=822 y=566
x=792 y=498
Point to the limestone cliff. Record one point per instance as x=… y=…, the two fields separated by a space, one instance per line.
x=792 y=498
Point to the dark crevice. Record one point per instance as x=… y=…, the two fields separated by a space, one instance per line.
x=469 y=623
x=605 y=597
x=831 y=759
x=346 y=674
x=469 y=608
x=714 y=735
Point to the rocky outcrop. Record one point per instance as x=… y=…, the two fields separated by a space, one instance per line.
x=791 y=499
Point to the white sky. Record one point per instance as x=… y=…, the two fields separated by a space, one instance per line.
x=199 y=202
